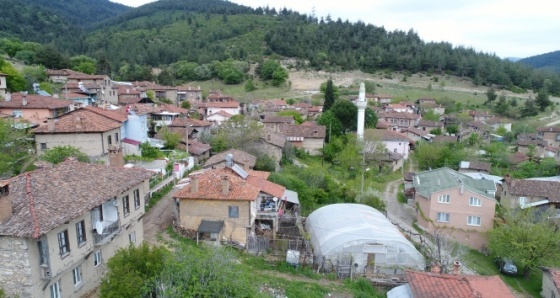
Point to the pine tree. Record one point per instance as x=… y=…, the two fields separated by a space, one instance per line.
x=329 y=96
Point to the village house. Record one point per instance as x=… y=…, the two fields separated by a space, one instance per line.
x=417 y=135
x=218 y=161
x=200 y=128
x=533 y=192
x=128 y=95
x=160 y=92
x=79 y=99
x=393 y=141
x=302 y=105
x=3 y=86
x=399 y=121
x=480 y=115
x=381 y=98
x=60 y=225
x=99 y=86
x=189 y=94
x=399 y=108
x=550 y=134
x=421 y=101
x=438 y=285
x=273 y=122
x=474 y=167
x=226 y=204
x=434 y=107
x=497 y=122
x=550 y=283
x=94 y=134
x=454 y=204
x=307 y=136
x=427 y=125
x=272 y=144
x=59 y=75
x=34 y=108
x=218 y=118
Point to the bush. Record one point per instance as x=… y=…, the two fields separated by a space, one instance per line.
x=59 y=153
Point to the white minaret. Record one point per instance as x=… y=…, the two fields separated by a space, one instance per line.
x=361 y=104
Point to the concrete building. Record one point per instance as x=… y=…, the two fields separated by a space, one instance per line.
x=60 y=225
x=34 y=108
x=456 y=205
x=308 y=136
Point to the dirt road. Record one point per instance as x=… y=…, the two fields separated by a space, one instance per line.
x=159 y=218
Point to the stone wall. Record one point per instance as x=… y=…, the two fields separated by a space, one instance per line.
x=15 y=269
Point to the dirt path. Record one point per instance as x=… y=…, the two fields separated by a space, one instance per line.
x=159 y=218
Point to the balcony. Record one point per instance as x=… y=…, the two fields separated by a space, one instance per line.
x=108 y=230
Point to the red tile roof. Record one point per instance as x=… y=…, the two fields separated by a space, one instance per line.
x=306 y=131
x=240 y=157
x=115 y=115
x=302 y=105
x=266 y=186
x=385 y=135
x=63 y=193
x=182 y=122
x=278 y=119
x=554 y=276
x=210 y=187
x=221 y=104
x=80 y=121
x=35 y=102
x=549 y=129
x=431 y=285
x=535 y=188
x=399 y=115
x=222 y=113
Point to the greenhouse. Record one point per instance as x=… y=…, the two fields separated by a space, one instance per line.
x=357 y=239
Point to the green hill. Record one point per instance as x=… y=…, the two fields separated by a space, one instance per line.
x=549 y=61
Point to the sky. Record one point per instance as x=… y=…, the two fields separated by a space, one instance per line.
x=508 y=28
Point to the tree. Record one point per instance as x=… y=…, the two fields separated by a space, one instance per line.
x=14 y=149
x=372 y=198
x=528 y=237
x=294 y=114
x=370 y=118
x=370 y=86
x=170 y=139
x=543 y=101
x=51 y=58
x=83 y=63
x=444 y=253
x=265 y=162
x=59 y=153
x=490 y=95
x=452 y=128
x=185 y=104
x=149 y=151
x=329 y=96
x=14 y=79
x=431 y=115
x=237 y=133
x=347 y=114
x=132 y=270
x=250 y=86
x=333 y=125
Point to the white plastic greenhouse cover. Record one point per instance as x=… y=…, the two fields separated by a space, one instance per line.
x=336 y=228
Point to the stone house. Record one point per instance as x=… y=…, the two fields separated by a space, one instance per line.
x=550 y=134
x=308 y=136
x=480 y=115
x=60 y=225
x=189 y=93
x=454 y=204
x=428 y=125
x=92 y=133
x=417 y=135
x=99 y=85
x=3 y=86
x=550 y=283
x=160 y=92
x=533 y=192
x=217 y=118
x=436 y=108
x=497 y=122
x=34 y=108
x=474 y=167
x=382 y=98
x=272 y=144
x=218 y=161
x=399 y=121
x=273 y=122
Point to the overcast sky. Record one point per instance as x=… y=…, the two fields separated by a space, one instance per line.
x=509 y=28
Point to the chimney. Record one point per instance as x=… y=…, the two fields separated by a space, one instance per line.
x=229 y=160
x=225 y=185
x=456 y=268
x=194 y=184
x=8 y=96
x=50 y=124
x=24 y=100
x=78 y=123
x=6 y=207
x=436 y=268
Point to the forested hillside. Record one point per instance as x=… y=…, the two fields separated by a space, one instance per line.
x=181 y=36
x=549 y=61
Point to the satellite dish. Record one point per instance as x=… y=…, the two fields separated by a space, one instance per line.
x=275 y=199
x=99 y=228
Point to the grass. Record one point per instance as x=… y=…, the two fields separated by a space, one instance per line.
x=158 y=195
x=400 y=195
x=484 y=265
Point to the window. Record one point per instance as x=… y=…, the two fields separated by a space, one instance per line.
x=125 y=206
x=475 y=202
x=97 y=259
x=77 y=273
x=17 y=113
x=63 y=245
x=522 y=201
x=233 y=211
x=137 y=199
x=442 y=217
x=132 y=237
x=43 y=252
x=444 y=199
x=109 y=140
x=55 y=290
x=81 y=232
x=116 y=137
x=558 y=137
x=43 y=146
x=473 y=221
